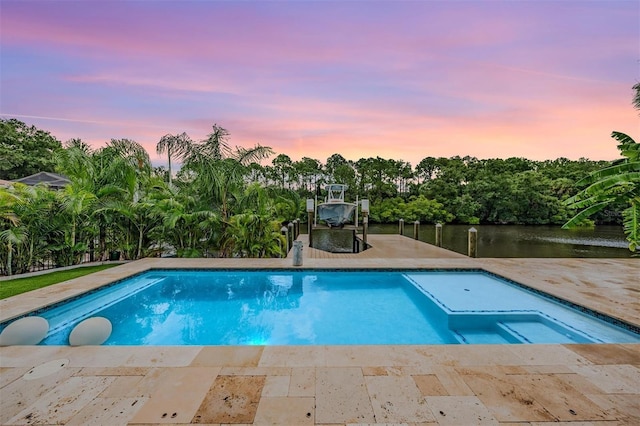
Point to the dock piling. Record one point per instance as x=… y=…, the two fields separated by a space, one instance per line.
x=401 y=227
x=416 y=229
x=285 y=231
x=297 y=253
x=310 y=219
x=292 y=234
x=438 y=235
x=472 y=249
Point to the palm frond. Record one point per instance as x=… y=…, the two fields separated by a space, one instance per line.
x=584 y=214
x=627 y=146
x=617 y=169
x=631 y=224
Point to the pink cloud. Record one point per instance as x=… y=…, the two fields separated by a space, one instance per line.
x=400 y=80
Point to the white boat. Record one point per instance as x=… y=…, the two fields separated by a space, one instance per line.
x=335 y=212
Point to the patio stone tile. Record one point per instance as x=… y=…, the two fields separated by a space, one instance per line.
x=507 y=401
x=612 y=378
x=276 y=386
x=255 y=371
x=452 y=381
x=397 y=400
x=547 y=355
x=95 y=356
x=62 y=402
x=429 y=385
x=341 y=396
x=231 y=399
x=375 y=371
x=560 y=399
x=285 y=411
x=21 y=393
x=228 y=356
x=607 y=354
x=177 y=396
x=25 y=356
x=355 y=356
x=624 y=407
x=462 y=355
x=459 y=410
x=293 y=356
x=113 y=371
x=148 y=384
x=547 y=369
x=162 y=356
x=580 y=383
x=121 y=386
x=302 y=382
x=107 y=411
x=9 y=374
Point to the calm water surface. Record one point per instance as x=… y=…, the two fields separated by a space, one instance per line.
x=524 y=241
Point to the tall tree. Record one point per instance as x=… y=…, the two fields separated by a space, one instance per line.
x=25 y=150
x=175 y=146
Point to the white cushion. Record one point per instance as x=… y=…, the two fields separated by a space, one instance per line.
x=92 y=331
x=25 y=331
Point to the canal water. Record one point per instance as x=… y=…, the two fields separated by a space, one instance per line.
x=523 y=241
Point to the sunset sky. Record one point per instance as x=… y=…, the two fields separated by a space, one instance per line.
x=395 y=79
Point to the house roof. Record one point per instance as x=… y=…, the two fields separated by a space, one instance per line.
x=54 y=180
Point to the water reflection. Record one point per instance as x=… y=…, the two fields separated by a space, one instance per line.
x=525 y=241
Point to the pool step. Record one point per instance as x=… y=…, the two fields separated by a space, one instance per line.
x=472 y=337
x=542 y=332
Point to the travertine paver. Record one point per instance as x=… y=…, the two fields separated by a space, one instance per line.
x=302 y=382
x=228 y=356
x=107 y=411
x=624 y=407
x=429 y=385
x=502 y=397
x=20 y=394
x=276 y=386
x=558 y=398
x=612 y=378
x=452 y=381
x=285 y=411
x=341 y=396
x=174 y=356
x=177 y=396
x=607 y=354
x=397 y=400
x=231 y=399
x=459 y=410
x=62 y=402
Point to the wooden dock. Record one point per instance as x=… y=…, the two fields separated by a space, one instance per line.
x=383 y=246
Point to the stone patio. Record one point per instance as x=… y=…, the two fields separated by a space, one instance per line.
x=338 y=385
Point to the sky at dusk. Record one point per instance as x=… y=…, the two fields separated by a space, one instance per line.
x=395 y=79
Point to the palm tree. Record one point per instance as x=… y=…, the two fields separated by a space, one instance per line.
x=175 y=146
x=619 y=182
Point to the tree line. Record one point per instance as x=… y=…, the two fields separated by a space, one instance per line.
x=232 y=202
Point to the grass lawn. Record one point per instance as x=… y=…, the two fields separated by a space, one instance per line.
x=22 y=285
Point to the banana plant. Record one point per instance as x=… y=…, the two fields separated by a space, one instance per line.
x=619 y=182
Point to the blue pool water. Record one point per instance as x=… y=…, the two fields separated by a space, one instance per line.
x=283 y=307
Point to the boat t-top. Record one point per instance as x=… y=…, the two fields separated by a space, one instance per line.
x=335 y=212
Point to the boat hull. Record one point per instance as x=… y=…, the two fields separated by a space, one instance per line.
x=336 y=214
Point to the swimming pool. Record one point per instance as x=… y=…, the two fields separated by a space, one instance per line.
x=322 y=307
